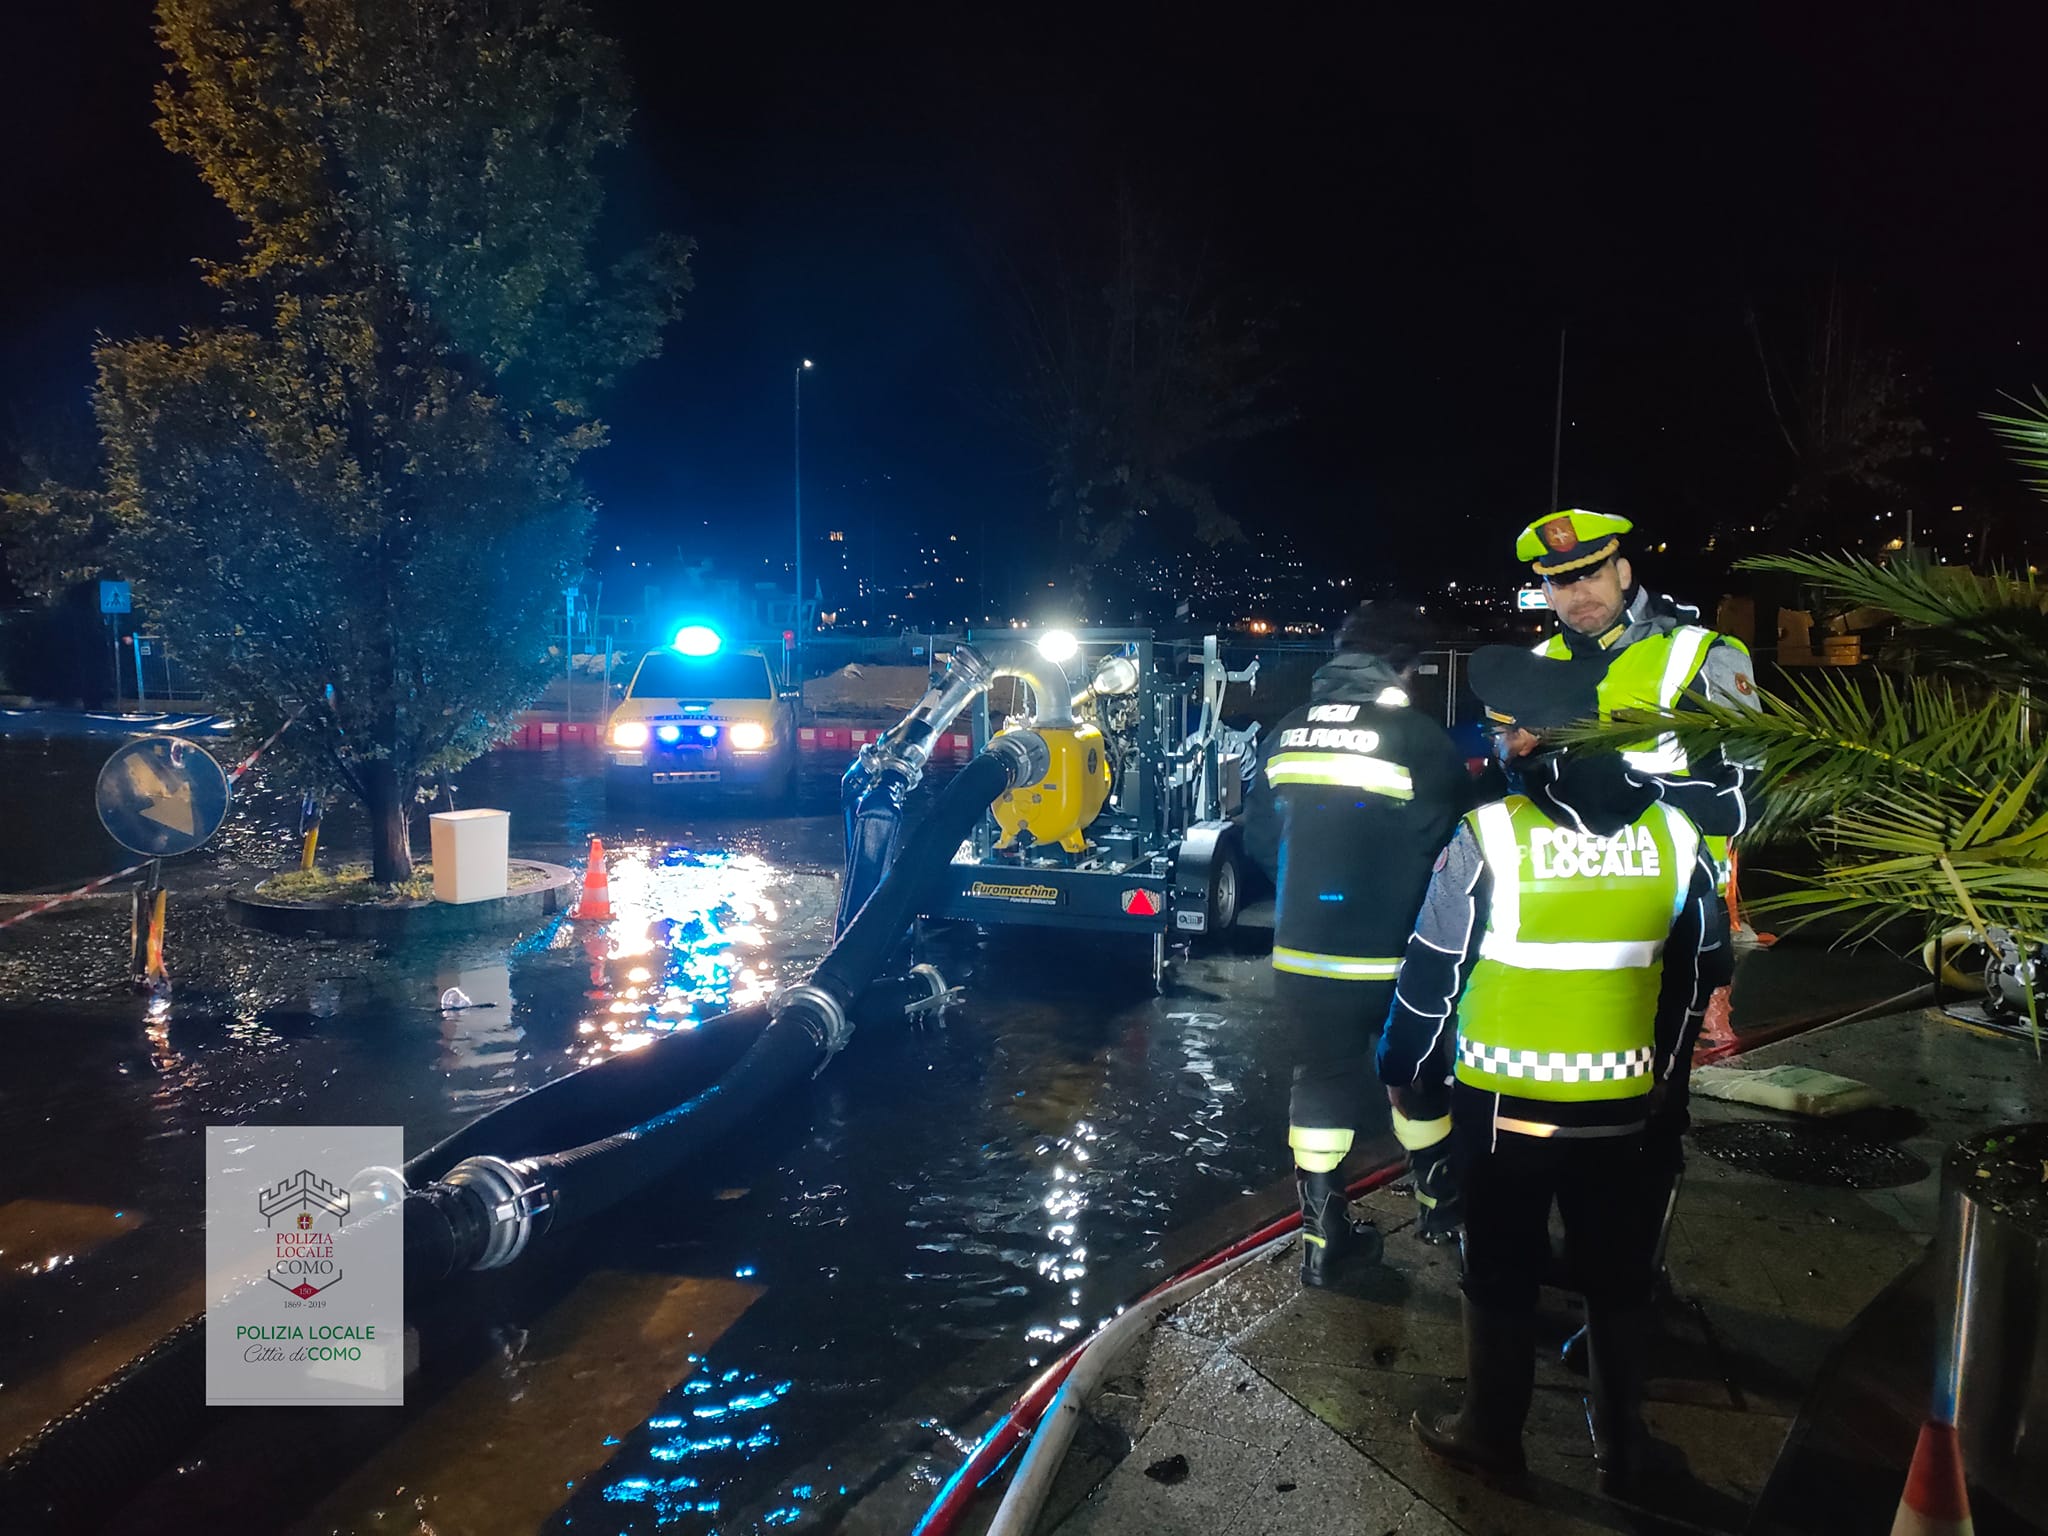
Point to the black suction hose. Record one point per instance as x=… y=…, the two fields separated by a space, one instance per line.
x=79 y=1466
x=810 y=1022
x=874 y=826
x=864 y=948
x=609 y=1095
x=876 y=783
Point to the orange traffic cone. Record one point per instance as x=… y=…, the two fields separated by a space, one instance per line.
x=595 y=904
x=1936 y=1502
x=1745 y=937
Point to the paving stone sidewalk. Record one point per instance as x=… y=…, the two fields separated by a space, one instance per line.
x=1258 y=1408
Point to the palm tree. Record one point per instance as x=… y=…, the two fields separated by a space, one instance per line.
x=1920 y=790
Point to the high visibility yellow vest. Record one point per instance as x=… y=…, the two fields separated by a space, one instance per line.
x=1653 y=673
x=1562 y=1000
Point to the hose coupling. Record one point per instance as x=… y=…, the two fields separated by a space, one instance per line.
x=971 y=666
x=821 y=1014
x=1025 y=754
x=514 y=1200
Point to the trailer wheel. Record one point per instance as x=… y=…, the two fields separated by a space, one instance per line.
x=1208 y=875
x=1225 y=883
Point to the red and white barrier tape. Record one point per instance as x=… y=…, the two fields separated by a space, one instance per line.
x=249 y=762
x=84 y=890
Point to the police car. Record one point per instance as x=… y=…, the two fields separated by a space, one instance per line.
x=697 y=716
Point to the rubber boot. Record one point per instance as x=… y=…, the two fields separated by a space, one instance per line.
x=1617 y=1345
x=1485 y=1435
x=1332 y=1250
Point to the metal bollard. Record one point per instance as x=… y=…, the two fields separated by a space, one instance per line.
x=1991 y=1370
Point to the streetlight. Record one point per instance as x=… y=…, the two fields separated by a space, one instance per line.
x=796 y=466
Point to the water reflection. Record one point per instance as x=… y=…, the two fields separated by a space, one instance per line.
x=715 y=1415
x=480 y=1044
x=689 y=940
x=1066 y=1202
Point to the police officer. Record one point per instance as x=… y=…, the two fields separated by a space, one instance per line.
x=1558 y=970
x=1358 y=794
x=1657 y=656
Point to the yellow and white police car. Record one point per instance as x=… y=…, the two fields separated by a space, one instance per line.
x=697 y=716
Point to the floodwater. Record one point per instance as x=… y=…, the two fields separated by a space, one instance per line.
x=744 y=1351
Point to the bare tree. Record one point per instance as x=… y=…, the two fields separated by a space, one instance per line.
x=1132 y=374
x=1845 y=413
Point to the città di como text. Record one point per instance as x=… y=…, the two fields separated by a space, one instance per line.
x=317 y=1341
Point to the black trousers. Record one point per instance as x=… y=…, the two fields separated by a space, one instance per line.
x=1610 y=1192
x=1333 y=1028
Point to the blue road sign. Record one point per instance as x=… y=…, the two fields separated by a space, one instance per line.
x=114 y=597
x=162 y=796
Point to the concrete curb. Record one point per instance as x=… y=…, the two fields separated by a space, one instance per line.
x=248 y=906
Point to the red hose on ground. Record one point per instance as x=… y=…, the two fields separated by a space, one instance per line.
x=1016 y=1426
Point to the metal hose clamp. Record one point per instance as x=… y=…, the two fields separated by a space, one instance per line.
x=823 y=1016
x=1025 y=754
x=514 y=1198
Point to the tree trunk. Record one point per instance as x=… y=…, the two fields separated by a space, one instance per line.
x=390 y=806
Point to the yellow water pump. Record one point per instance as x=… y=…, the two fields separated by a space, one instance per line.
x=1061 y=806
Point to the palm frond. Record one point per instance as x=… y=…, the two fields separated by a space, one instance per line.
x=1991 y=629
x=1913 y=590
x=1936 y=856
x=1826 y=745
x=2026 y=436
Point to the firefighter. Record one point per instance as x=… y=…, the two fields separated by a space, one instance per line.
x=1357 y=795
x=1556 y=978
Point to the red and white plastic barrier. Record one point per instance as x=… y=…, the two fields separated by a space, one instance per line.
x=835 y=740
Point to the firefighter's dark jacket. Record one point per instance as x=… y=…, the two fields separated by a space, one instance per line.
x=1356 y=795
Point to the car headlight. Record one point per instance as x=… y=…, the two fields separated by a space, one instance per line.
x=629 y=733
x=748 y=736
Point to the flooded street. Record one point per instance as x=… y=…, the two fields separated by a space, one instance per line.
x=946 y=1204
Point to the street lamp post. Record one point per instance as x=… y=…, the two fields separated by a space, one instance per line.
x=796 y=463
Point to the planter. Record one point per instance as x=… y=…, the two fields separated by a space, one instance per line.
x=548 y=889
x=1991 y=1378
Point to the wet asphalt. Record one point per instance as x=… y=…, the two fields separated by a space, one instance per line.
x=866 y=1263
x=989 y=1187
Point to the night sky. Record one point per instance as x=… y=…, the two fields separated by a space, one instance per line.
x=1425 y=202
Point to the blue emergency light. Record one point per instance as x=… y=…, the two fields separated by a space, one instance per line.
x=697 y=640
x=669 y=733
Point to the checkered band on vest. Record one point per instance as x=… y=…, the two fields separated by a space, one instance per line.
x=1555 y=1066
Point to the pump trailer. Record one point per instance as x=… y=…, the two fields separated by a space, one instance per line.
x=1134 y=830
